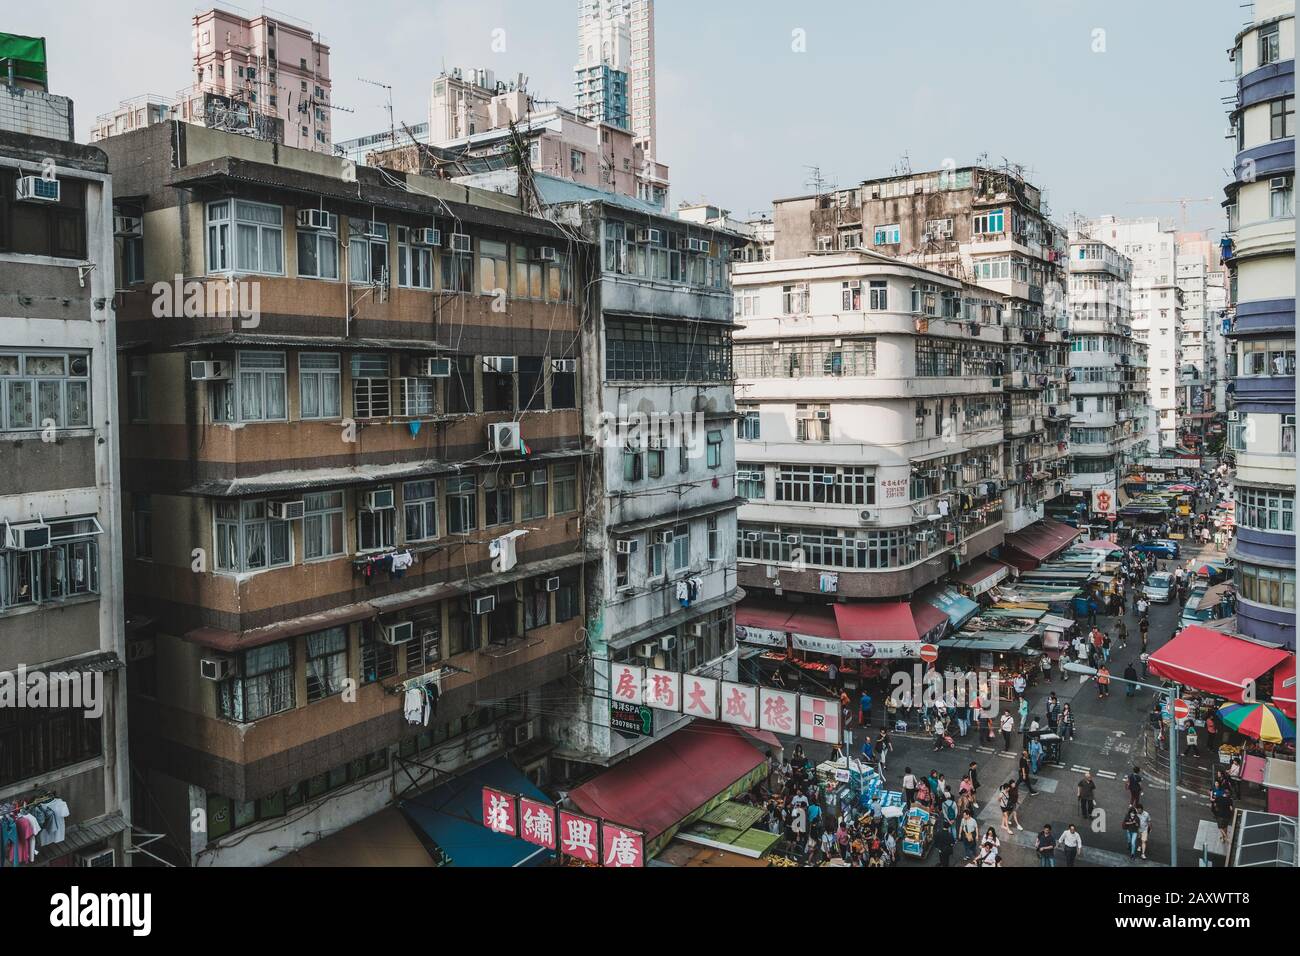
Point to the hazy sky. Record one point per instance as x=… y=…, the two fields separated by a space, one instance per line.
x=741 y=114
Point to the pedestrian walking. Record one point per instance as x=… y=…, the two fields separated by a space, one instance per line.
x=909 y=786
x=1071 y=844
x=1023 y=709
x=943 y=840
x=1121 y=636
x=1105 y=648
x=1047 y=668
x=1008 y=726
x=1130 y=675
x=1087 y=790
x=1103 y=681
x=1133 y=784
x=973 y=772
x=1035 y=754
x=1013 y=803
x=1130 y=826
x=969 y=832
x=864 y=709
x=1144 y=830
x=1066 y=723
x=1192 y=740
x=1046 y=846
x=1026 y=776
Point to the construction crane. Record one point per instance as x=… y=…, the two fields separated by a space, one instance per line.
x=1183 y=201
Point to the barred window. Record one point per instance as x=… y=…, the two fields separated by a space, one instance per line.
x=644 y=350
x=806 y=358
x=1265 y=509
x=827 y=547
x=825 y=484
x=263 y=685
x=1272 y=586
x=937 y=357
x=751 y=481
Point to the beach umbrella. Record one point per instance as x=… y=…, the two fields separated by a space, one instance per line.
x=1263 y=722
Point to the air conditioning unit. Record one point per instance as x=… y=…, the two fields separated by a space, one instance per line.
x=459 y=242
x=828 y=479
x=521 y=734
x=626 y=546
x=433 y=367
x=485 y=605
x=704 y=246
x=822 y=415
x=214 y=371
x=216 y=668
x=931 y=473
x=286 y=510
x=866 y=517
x=695 y=630
x=667 y=642
x=649 y=235
x=317 y=220
x=792 y=539
x=545 y=254
x=504 y=436
x=97 y=858
x=663 y=537
x=686 y=245
x=380 y=499
x=647 y=650
x=553 y=583
x=33 y=537
x=128 y=226
x=518 y=479
x=426 y=236
x=564 y=365
x=403 y=632
x=36 y=189
x=504 y=364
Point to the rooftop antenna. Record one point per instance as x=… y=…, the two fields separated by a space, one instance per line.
x=815 y=180
x=392 y=127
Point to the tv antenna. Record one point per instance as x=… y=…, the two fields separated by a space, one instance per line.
x=388 y=90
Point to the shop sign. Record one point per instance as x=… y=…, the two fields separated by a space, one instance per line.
x=858 y=650
x=631 y=718
x=578 y=836
x=819 y=719
x=760 y=635
x=663 y=689
x=894 y=488
x=700 y=696
x=626 y=683
x=499 y=812
x=1103 y=501
x=739 y=704
x=537 y=823
x=777 y=710
x=621 y=847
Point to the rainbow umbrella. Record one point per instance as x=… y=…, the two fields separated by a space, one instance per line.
x=1262 y=721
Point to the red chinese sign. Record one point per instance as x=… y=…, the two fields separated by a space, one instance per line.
x=578 y=837
x=621 y=847
x=777 y=710
x=819 y=719
x=537 y=822
x=499 y=812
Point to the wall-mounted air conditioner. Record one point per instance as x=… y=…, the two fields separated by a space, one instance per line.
x=545 y=254
x=667 y=642
x=485 y=605
x=459 y=242
x=521 y=734
x=564 y=365
x=33 y=537
x=401 y=632
x=504 y=364
x=217 y=668
x=663 y=537
x=695 y=630
x=433 y=367
x=97 y=858
x=626 y=546
x=127 y=226
x=317 y=220
x=286 y=510
x=647 y=649
x=553 y=583
x=36 y=189
x=380 y=499
x=214 y=371
x=426 y=236
x=503 y=437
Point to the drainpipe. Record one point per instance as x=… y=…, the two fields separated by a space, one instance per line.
x=9 y=64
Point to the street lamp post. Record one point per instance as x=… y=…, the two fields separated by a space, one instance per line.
x=1170 y=694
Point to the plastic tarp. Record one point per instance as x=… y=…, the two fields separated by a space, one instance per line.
x=1042 y=539
x=958 y=608
x=1284 y=687
x=930 y=622
x=1215 y=663
x=815 y=622
x=890 y=621
x=452 y=817
x=28 y=54
x=760 y=616
x=658 y=789
x=982 y=574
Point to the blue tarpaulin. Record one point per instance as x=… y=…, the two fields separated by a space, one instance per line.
x=958 y=608
x=452 y=817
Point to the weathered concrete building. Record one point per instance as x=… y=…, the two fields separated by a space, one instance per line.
x=60 y=566
x=353 y=463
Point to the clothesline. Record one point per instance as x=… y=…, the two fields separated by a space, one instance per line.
x=27 y=824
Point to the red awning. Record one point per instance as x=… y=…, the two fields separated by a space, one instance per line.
x=815 y=622
x=1042 y=539
x=1214 y=662
x=981 y=574
x=1021 y=562
x=664 y=784
x=929 y=620
x=876 y=622
x=1284 y=687
x=766 y=617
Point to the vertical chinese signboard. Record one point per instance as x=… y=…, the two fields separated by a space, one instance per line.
x=700 y=696
x=621 y=847
x=499 y=812
x=739 y=704
x=819 y=719
x=578 y=837
x=777 y=711
x=537 y=823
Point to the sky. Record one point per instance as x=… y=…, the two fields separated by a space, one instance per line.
x=1107 y=104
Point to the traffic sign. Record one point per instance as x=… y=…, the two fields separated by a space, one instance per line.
x=1180 y=708
x=929 y=653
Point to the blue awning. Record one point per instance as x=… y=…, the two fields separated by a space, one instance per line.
x=452 y=817
x=958 y=608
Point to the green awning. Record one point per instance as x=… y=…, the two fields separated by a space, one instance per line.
x=28 y=54
x=1000 y=642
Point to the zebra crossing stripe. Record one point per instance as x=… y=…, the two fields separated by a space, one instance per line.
x=1108 y=774
x=1077 y=769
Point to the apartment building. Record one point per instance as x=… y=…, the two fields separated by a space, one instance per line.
x=1157 y=314
x=1199 y=269
x=1108 y=390
x=988 y=227
x=268 y=76
x=352 y=465
x=1259 y=253
x=870 y=426
x=614 y=79
x=63 y=716
x=659 y=410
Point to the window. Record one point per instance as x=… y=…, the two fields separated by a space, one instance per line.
x=322 y=526
x=990 y=222
x=825 y=484
x=130 y=248
x=142 y=525
x=459 y=388
x=529 y=274
x=257 y=393
x=712 y=539
x=681 y=547
x=498 y=499
x=378 y=659
x=653 y=350
x=1267 y=357
x=633 y=464
x=559 y=279
x=748 y=427
x=1272 y=586
x=371 y=395
x=414 y=263
x=1281 y=199
x=457 y=270
x=879 y=298
x=564 y=389
x=318 y=252
x=35 y=741
x=806 y=357
x=420 y=507
x=794 y=299
x=1265 y=509
x=426 y=648
x=534 y=494
x=498 y=391
x=368 y=252
x=462 y=505
x=1269 y=49
x=713 y=451
x=567 y=597
x=320 y=391
x=493 y=267
x=537 y=604
x=43 y=228
x=67 y=568
x=532 y=383
x=40 y=387
x=746 y=304
x=137 y=395
x=851 y=296
x=262 y=686
x=750 y=480
x=247 y=540
x=258 y=237
x=886 y=235
x=1281 y=115
x=812 y=422
x=376 y=529
x=566 y=488
x=937 y=357
x=327 y=663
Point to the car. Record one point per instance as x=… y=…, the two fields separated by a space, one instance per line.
x=1160 y=547
x=1159 y=588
